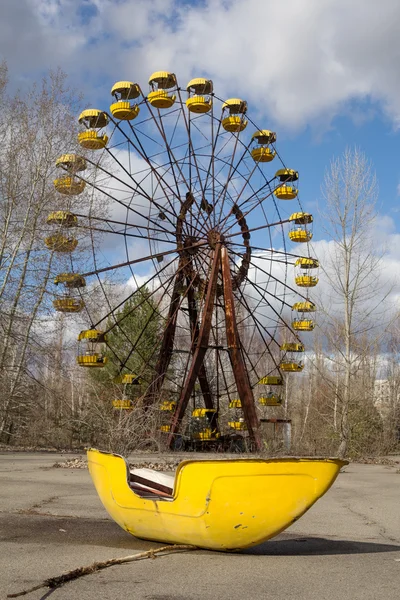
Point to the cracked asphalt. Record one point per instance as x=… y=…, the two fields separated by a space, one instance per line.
x=347 y=547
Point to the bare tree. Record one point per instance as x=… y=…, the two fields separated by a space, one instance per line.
x=354 y=303
x=37 y=125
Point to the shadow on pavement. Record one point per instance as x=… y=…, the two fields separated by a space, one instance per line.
x=304 y=546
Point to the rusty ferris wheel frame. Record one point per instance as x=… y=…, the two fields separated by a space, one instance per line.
x=200 y=190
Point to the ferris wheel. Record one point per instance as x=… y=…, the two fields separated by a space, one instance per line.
x=198 y=217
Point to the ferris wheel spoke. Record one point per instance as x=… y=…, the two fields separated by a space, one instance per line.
x=192 y=154
x=271 y=307
x=118 y=201
x=231 y=173
x=261 y=329
x=149 y=320
x=124 y=224
x=171 y=164
x=139 y=149
x=121 y=304
x=139 y=260
x=257 y=203
x=160 y=126
x=270 y=250
x=123 y=233
x=267 y=226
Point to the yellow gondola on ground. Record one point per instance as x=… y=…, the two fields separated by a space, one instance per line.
x=214 y=504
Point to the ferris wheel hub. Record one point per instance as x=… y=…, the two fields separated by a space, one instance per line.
x=214 y=237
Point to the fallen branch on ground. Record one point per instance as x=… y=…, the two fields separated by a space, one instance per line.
x=55 y=582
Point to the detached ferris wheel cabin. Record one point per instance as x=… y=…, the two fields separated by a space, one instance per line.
x=191 y=174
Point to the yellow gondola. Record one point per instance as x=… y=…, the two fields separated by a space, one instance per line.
x=91 y=360
x=92 y=140
x=122 y=404
x=292 y=347
x=270 y=400
x=165 y=428
x=93 y=118
x=235 y=122
x=91 y=355
x=306 y=281
x=69 y=186
x=271 y=380
x=262 y=152
x=300 y=235
x=63 y=218
x=303 y=325
x=205 y=434
x=286 y=192
x=70 y=280
x=71 y=162
x=301 y=218
x=304 y=307
x=294 y=367
x=203 y=412
x=199 y=104
x=238 y=425
x=235 y=403
x=307 y=263
x=199 y=100
x=286 y=175
x=214 y=504
x=168 y=406
x=160 y=82
x=68 y=305
x=124 y=110
x=61 y=243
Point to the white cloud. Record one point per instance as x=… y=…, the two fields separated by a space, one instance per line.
x=299 y=61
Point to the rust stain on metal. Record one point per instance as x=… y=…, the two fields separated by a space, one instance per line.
x=200 y=348
x=236 y=355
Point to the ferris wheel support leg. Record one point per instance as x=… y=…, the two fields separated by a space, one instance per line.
x=166 y=346
x=202 y=377
x=200 y=347
x=236 y=356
